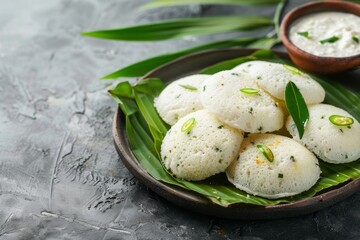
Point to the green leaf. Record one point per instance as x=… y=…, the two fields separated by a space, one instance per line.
x=296 y=106
x=329 y=40
x=144 y=151
x=339 y=96
x=127 y=105
x=151 y=86
x=277 y=17
x=123 y=89
x=143 y=67
x=182 y=27
x=264 y=43
x=167 y=3
x=230 y=64
x=156 y=125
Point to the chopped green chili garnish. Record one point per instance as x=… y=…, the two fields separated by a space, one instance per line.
x=329 y=40
x=266 y=152
x=355 y=39
x=304 y=34
x=341 y=120
x=249 y=90
x=188 y=87
x=292 y=69
x=188 y=125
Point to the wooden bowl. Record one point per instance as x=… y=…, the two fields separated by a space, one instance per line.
x=308 y=61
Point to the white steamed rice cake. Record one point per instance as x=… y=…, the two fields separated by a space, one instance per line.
x=222 y=94
x=180 y=98
x=273 y=77
x=199 y=146
x=294 y=169
x=330 y=142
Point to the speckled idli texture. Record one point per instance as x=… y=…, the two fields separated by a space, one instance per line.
x=207 y=149
x=252 y=113
x=180 y=98
x=294 y=168
x=331 y=143
x=273 y=78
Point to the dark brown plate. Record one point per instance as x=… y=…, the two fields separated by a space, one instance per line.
x=195 y=202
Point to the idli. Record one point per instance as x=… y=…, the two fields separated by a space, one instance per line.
x=180 y=98
x=199 y=146
x=273 y=77
x=331 y=133
x=273 y=166
x=237 y=100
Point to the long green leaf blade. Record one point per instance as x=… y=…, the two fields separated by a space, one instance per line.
x=296 y=106
x=182 y=27
x=167 y=3
x=143 y=67
x=230 y=64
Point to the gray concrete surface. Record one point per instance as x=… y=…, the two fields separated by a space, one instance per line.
x=60 y=176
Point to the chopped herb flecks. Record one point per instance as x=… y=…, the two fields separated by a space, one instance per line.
x=355 y=39
x=280 y=175
x=304 y=34
x=251 y=110
x=292 y=158
x=220 y=127
x=329 y=40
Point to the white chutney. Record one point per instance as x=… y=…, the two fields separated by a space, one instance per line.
x=327 y=34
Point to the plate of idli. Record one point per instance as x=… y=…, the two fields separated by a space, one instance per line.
x=231 y=145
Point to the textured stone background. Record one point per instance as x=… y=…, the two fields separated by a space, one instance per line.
x=60 y=176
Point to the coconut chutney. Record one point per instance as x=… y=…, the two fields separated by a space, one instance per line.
x=327 y=34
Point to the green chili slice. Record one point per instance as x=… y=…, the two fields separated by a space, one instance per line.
x=188 y=125
x=292 y=69
x=339 y=120
x=266 y=152
x=249 y=90
x=188 y=87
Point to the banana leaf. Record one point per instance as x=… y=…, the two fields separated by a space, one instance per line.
x=144 y=66
x=142 y=120
x=167 y=3
x=171 y=29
